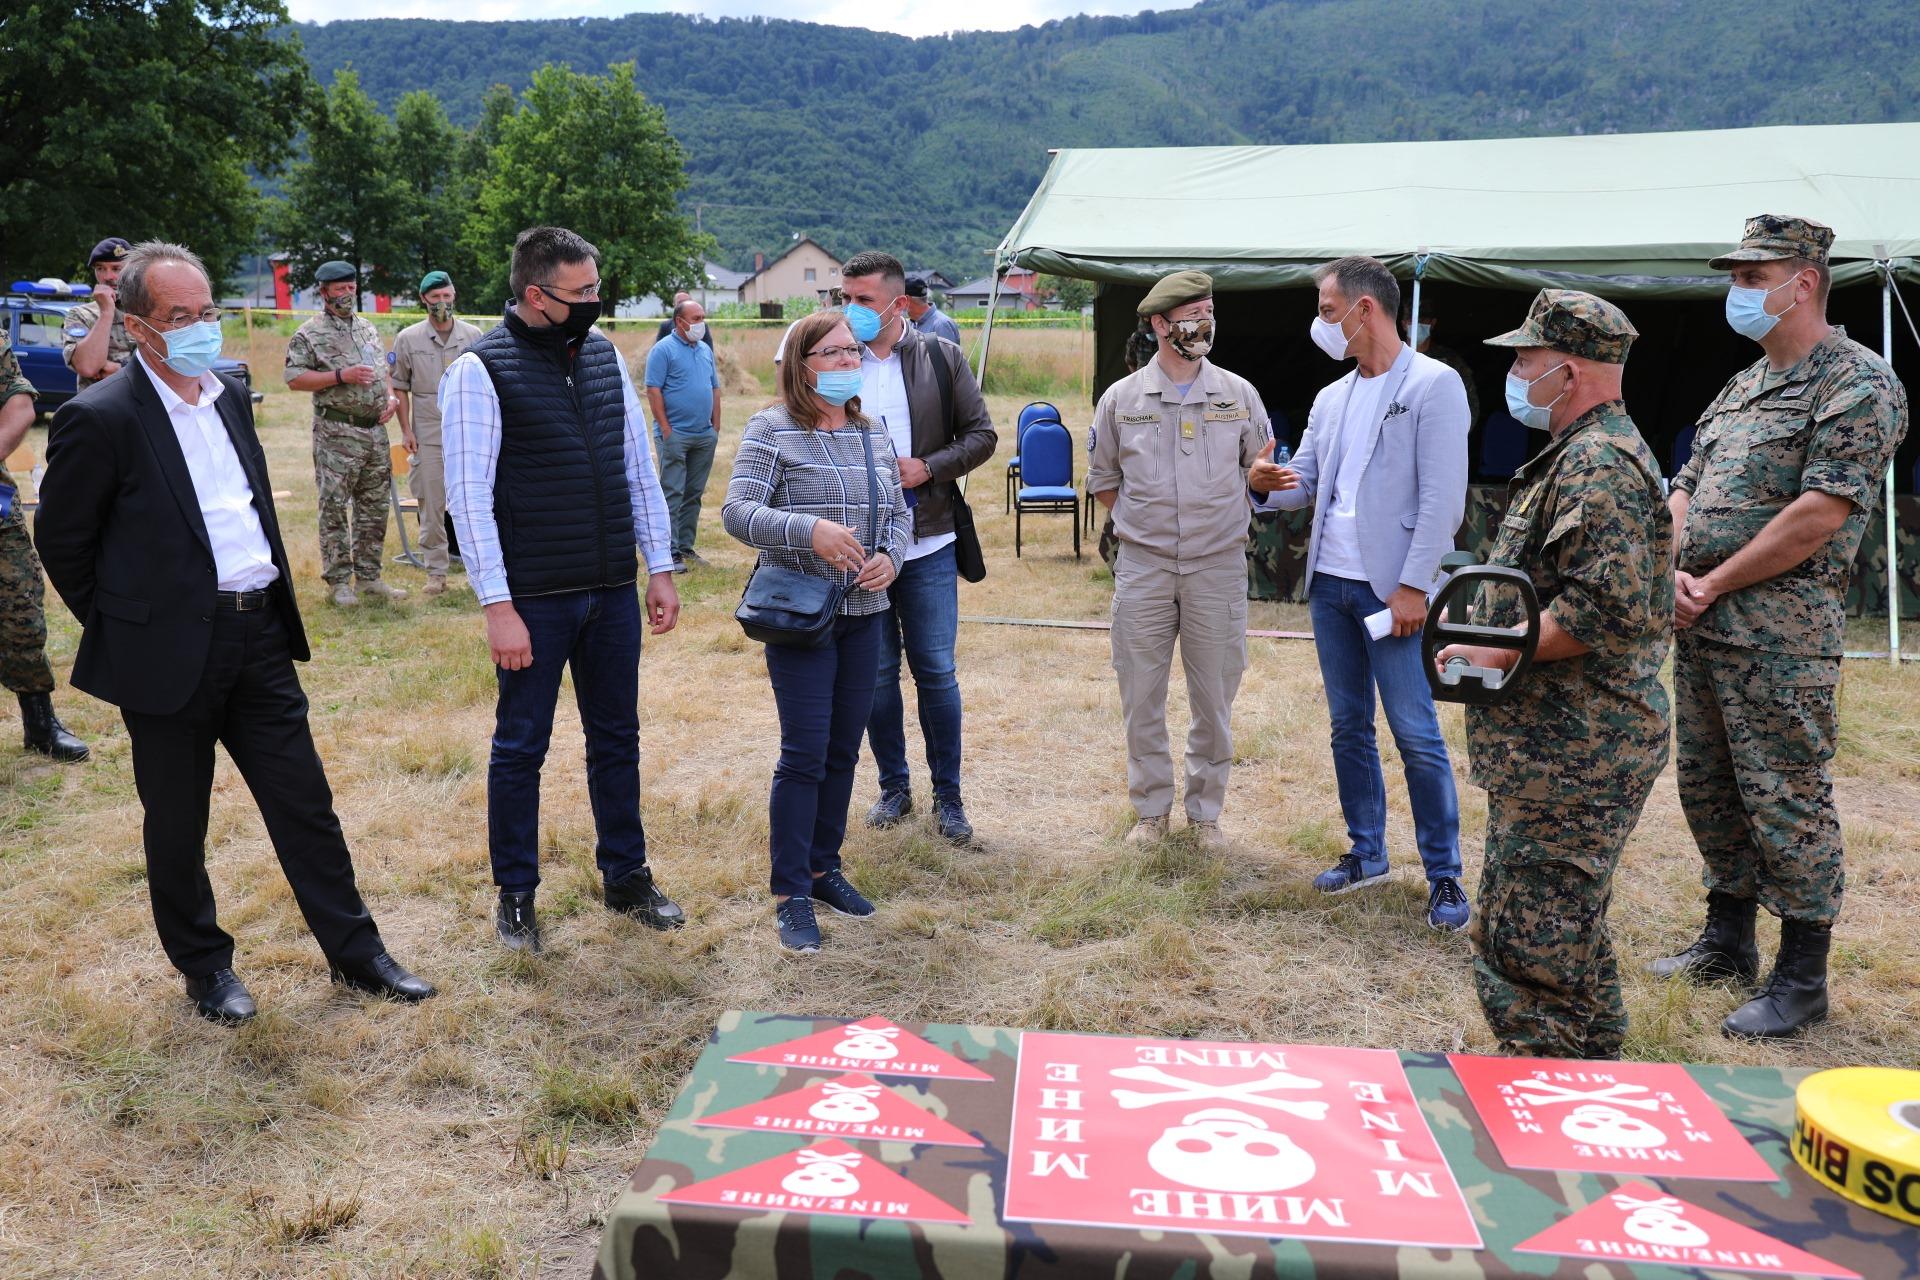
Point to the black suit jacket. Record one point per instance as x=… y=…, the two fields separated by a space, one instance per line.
x=120 y=534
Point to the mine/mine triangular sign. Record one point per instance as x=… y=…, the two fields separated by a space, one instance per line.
x=1640 y=1223
x=852 y=1106
x=872 y=1045
x=829 y=1177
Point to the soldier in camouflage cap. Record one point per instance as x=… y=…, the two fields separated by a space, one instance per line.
x=1569 y=759
x=337 y=356
x=94 y=341
x=1771 y=508
x=23 y=618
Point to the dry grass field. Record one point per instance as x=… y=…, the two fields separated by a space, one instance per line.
x=484 y=1133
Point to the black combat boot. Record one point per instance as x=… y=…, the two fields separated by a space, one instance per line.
x=45 y=733
x=1725 y=947
x=1796 y=995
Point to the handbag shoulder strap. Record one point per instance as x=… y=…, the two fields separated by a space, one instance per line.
x=873 y=492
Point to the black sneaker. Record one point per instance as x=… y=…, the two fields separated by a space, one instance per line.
x=890 y=808
x=634 y=894
x=833 y=889
x=799 y=931
x=514 y=922
x=951 y=819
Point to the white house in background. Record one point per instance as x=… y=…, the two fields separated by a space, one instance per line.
x=802 y=268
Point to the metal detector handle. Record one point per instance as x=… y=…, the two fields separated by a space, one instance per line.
x=1460 y=680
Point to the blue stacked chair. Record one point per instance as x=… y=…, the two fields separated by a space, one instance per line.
x=1038 y=411
x=1046 y=454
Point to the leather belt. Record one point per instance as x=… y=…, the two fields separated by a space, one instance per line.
x=341 y=415
x=242 y=601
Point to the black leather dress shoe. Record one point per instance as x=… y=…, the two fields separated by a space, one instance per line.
x=635 y=894
x=383 y=976
x=221 y=997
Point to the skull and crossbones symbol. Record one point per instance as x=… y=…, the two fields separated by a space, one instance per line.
x=1246 y=1092
x=871 y=1044
x=819 y=1174
x=1659 y=1221
x=1545 y=1093
x=1225 y=1148
x=851 y=1103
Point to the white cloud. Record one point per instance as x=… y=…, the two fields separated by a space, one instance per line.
x=906 y=17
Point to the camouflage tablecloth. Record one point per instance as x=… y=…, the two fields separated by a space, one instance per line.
x=648 y=1240
x=1277 y=552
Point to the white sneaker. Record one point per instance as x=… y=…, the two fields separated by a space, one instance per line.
x=1148 y=831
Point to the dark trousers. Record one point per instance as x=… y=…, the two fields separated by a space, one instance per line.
x=823 y=696
x=249 y=701
x=596 y=634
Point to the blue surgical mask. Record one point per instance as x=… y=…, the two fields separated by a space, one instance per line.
x=864 y=321
x=191 y=351
x=1523 y=409
x=1747 y=310
x=837 y=386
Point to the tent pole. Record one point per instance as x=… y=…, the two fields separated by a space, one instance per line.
x=986 y=332
x=1413 y=316
x=1893 y=520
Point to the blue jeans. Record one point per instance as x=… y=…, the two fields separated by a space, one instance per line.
x=597 y=634
x=686 y=459
x=924 y=618
x=1352 y=665
x=823 y=696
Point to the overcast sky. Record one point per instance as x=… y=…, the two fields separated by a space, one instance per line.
x=908 y=17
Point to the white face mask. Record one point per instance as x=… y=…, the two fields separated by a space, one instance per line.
x=697 y=331
x=1330 y=336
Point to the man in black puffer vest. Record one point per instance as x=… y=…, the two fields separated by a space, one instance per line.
x=552 y=491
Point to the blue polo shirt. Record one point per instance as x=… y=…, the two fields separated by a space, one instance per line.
x=685 y=373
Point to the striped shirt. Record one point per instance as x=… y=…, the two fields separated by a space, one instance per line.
x=470 y=436
x=787 y=478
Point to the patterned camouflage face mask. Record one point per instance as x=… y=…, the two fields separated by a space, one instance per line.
x=1191 y=339
x=441 y=312
x=341 y=307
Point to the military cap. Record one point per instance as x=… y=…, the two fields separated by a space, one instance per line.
x=435 y=280
x=1772 y=236
x=112 y=249
x=916 y=288
x=1575 y=324
x=1176 y=290
x=330 y=272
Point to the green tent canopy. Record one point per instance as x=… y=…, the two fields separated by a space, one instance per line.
x=1622 y=215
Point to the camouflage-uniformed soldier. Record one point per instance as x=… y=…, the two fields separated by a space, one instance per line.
x=421 y=353
x=1568 y=761
x=23 y=618
x=1172 y=448
x=337 y=356
x=1785 y=474
x=91 y=351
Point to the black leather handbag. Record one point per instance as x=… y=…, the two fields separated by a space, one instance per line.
x=787 y=607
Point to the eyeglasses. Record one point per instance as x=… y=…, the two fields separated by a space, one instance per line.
x=833 y=353
x=181 y=319
x=588 y=294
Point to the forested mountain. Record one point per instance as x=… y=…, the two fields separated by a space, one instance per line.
x=932 y=146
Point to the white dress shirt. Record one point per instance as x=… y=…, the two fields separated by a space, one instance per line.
x=242 y=559
x=883 y=398
x=470 y=436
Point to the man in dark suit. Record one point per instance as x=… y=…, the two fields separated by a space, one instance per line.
x=157 y=528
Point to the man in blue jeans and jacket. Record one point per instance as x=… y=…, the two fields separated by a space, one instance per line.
x=938 y=438
x=1384 y=463
x=550 y=483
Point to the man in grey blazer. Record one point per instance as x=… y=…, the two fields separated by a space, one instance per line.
x=1384 y=463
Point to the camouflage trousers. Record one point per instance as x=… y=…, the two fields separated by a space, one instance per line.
x=1543 y=962
x=23 y=618
x=1756 y=733
x=351 y=468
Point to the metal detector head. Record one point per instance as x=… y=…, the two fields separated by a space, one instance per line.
x=1460 y=680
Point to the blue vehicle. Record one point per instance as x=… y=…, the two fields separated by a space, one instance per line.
x=35 y=317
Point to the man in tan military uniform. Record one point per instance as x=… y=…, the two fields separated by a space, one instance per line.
x=1786 y=471
x=1173 y=444
x=94 y=342
x=421 y=353
x=1568 y=760
x=337 y=356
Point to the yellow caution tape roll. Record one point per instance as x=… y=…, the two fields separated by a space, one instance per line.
x=1857 y=1129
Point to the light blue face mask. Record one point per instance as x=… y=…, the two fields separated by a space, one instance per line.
x=837 y=386
x=191 y=351
x=1747 y=310
x=864 y=321
x=1523 y=409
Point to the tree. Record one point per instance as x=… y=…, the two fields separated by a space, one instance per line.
x=592 y=154
x=141 y=120
x=426 y=160
x=347 y=199
x=1072 y=294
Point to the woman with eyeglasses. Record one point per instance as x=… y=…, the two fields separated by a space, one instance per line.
x=799 y=496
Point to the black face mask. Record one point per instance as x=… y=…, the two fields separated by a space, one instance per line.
x=580 y=317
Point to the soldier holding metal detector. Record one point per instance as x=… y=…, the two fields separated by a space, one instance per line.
x=1568 y=753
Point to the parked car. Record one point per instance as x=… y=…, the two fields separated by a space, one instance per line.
x=35 y=315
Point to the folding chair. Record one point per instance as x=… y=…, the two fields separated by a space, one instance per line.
x=1038 y=411
x=1047 y=460
x=403 y=466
